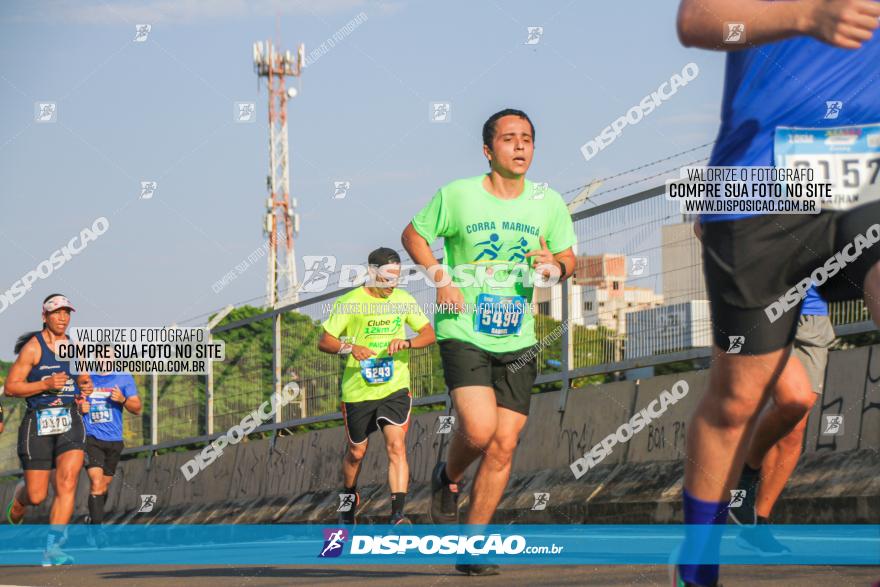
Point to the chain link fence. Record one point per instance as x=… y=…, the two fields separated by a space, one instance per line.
x=637 y=299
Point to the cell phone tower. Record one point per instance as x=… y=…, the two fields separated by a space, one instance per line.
x=275 y=66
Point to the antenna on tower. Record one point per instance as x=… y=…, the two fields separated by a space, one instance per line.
x=276 y=66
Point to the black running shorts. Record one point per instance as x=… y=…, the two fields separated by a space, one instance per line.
x=511 y=374
x=103 y=454
x=363 y=418
x=757 y=270
x=39 y=452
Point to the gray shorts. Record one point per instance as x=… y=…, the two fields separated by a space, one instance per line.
x=814 y=335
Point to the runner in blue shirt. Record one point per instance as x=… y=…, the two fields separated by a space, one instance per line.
x=801 y=90
x=103 y=420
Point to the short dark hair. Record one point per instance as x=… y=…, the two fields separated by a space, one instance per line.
x=383 y=256
x=489 y=125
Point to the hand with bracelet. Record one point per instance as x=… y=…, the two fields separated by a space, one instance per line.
x=359 y=352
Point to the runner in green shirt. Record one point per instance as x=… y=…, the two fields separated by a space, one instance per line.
x=368 y=325
x=498 y=230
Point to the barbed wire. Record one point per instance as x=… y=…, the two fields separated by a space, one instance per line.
x=403 y=253
x=643 y=166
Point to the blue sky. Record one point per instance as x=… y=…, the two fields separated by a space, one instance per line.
x=163 y=110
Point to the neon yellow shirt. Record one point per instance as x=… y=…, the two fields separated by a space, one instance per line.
x=373 y=322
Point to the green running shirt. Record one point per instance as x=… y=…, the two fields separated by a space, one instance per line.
x=493 y=235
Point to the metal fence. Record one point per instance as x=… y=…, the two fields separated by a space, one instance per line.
x=637 y=300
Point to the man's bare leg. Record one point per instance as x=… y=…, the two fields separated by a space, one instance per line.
x=351 y=463
x=398 y=468
x=777 y=468
x=720 y=429
x=476 y=420
x=494 y=471
x=792 y=399
x=718 y=438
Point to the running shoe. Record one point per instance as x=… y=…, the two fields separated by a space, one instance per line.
x=760 y=539
x=55 y=557
x=400 y=520
x=444 y=498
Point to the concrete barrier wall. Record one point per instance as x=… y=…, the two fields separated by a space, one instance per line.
x=553 y=439
x=664 y=438
x=852 y=391
x=290 y=469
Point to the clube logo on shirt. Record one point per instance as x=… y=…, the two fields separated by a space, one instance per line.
x=383 y=326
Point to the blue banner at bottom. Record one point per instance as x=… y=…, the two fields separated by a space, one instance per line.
x=280 y=544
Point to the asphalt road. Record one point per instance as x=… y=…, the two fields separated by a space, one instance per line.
x=421 y=576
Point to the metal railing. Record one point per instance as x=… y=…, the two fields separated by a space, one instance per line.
x=637 y=300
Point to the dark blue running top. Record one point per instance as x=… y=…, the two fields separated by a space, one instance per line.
x=47 y=366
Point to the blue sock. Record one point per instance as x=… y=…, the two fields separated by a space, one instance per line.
x=702 y=538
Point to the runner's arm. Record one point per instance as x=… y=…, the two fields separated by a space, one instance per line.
x=329 y=343
x=132 y=401
x=133 y=404
x=17 y=384
x=425 y=337
x=332 y=345
x=567 y=262
x=420 y=251
x=842 y=23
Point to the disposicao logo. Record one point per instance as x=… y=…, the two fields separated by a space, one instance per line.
x=334 y=539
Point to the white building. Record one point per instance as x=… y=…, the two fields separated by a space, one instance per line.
x=682 y=264
x=599 y=294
